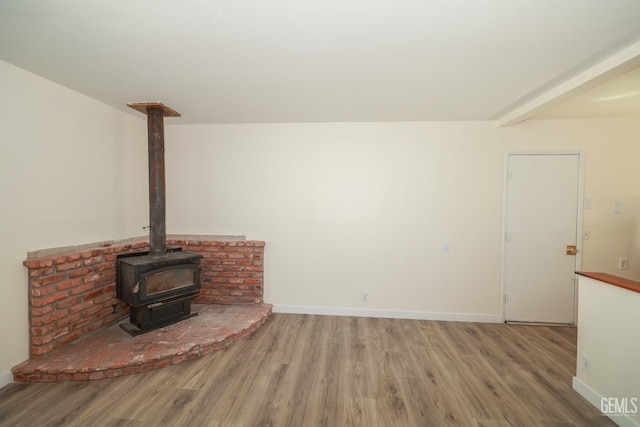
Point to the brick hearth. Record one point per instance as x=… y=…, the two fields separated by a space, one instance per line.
x=72 y=295
x=111 y=352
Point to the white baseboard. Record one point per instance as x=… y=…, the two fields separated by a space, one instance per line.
x=6 y=378
x=389 y=314
x=594 y=398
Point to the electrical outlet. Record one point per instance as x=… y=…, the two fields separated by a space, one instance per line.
x=365 y=297
x=586 y=362
x=623 y=264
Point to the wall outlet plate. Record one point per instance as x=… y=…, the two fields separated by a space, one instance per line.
x=623 y=264
x=585 y=362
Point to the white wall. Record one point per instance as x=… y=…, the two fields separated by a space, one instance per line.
x=608 y=335
x=347 y=208
x=65 y=162
x=615 y=235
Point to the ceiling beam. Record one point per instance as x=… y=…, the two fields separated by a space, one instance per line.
x=615 y=65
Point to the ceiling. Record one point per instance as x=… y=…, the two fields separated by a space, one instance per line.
x=250 y=61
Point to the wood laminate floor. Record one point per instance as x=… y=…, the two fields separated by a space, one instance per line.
x=302 y=370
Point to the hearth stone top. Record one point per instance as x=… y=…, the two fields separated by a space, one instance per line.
x=44 y=253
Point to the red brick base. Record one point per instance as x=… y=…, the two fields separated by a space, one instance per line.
x=73 y=290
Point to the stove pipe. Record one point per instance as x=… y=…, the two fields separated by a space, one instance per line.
x=156 y=112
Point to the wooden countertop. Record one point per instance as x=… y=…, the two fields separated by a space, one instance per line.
x=620 y=282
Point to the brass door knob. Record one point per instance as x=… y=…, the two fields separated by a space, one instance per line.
x=572 y=249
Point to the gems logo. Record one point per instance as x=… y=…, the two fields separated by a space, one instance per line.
x=619 y=406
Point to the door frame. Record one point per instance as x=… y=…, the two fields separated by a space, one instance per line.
x=579 y=222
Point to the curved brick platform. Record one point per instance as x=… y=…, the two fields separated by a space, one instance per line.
x=111 y=352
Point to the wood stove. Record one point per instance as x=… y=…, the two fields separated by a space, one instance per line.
x=157 y=288
x=157 y=285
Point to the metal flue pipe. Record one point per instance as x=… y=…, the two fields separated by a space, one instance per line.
x=156 y=112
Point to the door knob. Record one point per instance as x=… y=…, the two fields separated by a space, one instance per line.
x=572 y=250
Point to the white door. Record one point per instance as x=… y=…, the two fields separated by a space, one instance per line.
x=541 y=221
